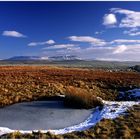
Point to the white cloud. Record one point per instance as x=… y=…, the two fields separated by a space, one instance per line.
x=99 y=42
x=41 y=43
x=121 y=52
x=132 y=32
x=50 y=41
x=120 y=49
x=33 y=44
x=131 y=18
x=109 y=19
x=74 y=49
x=119 y=41
x=122 y=11
x=13 y=34
x=88 y=39
x=99 y=48
x=99 y=32
x=60 y=46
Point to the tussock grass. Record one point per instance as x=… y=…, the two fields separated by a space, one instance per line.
x=80 y=98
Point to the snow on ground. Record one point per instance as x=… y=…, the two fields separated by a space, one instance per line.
x=111 y=110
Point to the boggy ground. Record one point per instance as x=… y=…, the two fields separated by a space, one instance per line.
x=28 y=83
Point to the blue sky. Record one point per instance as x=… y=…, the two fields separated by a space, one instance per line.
x=89 y=30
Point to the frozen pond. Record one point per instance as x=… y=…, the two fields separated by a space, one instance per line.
x=41 y=115
x=54 y=117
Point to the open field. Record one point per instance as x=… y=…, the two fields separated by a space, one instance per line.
x=29 y=83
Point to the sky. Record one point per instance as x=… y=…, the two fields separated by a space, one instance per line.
x=89 y=30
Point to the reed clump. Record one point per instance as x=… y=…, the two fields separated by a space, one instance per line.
x=80 y=98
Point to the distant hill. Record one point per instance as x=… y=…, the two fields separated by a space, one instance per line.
x=71 y=61
x=22 y=58
x=55 y=58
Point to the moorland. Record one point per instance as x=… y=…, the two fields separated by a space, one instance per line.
x=33 y=83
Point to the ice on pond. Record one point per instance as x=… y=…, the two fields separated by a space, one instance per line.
x=110 y=110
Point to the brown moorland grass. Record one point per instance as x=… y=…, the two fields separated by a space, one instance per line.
x=27 y=83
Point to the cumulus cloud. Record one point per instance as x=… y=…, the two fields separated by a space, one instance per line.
x=13 y=34
x=133 y=33
x=60 y=46
x=131 y=19
x=120 y=52
x=88 y=39
x=116 y=50
x=122 y=11
x=109 y=19
x=49 y=42
x=120 y=49
x=117 y=53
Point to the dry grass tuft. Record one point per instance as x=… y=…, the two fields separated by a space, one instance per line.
x=80 y=98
